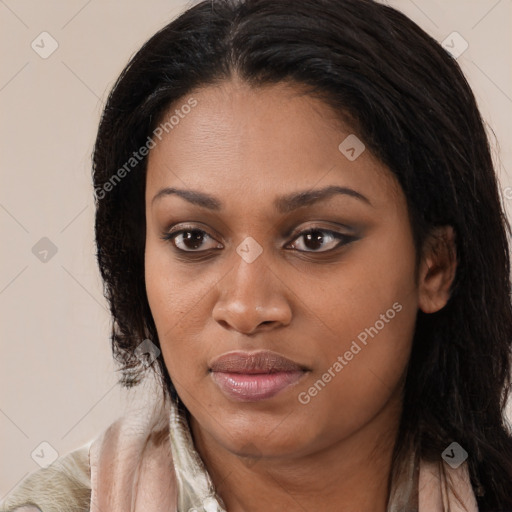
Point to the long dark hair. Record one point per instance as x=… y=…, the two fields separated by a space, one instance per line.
x=410 y=103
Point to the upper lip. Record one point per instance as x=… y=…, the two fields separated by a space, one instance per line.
x=254 y=362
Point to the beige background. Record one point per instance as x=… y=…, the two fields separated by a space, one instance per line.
x=58 y=380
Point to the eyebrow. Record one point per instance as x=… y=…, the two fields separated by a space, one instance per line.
x=283 y=204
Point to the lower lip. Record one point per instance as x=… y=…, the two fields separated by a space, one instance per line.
x=253 y=387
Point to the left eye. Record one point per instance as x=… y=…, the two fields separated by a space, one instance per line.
x=315 y=237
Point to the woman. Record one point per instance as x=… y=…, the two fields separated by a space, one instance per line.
x=299 y=229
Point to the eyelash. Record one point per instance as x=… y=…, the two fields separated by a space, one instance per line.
x=343 y=239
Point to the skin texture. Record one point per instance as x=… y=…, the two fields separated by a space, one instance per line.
x=247 y=146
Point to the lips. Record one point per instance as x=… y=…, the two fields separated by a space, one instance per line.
x=251 y=363
x=256 y=376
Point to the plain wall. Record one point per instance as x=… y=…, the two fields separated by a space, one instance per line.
x=58 y=379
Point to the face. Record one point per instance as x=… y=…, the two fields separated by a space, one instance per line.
x=325 y=280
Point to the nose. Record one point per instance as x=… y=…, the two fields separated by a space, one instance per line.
x=252 y=298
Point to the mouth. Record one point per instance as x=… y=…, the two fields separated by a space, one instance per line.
x=251 y=377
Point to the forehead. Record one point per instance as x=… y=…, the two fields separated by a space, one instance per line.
x=261 y=142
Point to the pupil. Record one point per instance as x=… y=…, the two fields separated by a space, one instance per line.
x=318 y=239
x=195 y=239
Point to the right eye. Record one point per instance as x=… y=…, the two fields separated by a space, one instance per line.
x=189 y=239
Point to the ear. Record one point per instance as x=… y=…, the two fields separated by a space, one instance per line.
x=437 y=269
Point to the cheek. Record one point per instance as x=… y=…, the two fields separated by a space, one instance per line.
x=361 y=374
x=370 y=309
x=174 y=292
x=371 y=278
x=360 y=369
x=178 y=305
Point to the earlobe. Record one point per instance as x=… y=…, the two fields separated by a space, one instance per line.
x=437 y=269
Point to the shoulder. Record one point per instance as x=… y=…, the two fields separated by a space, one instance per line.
x=63 y=486
x=131 y=456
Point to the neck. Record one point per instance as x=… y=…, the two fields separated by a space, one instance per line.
x=350 y=474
